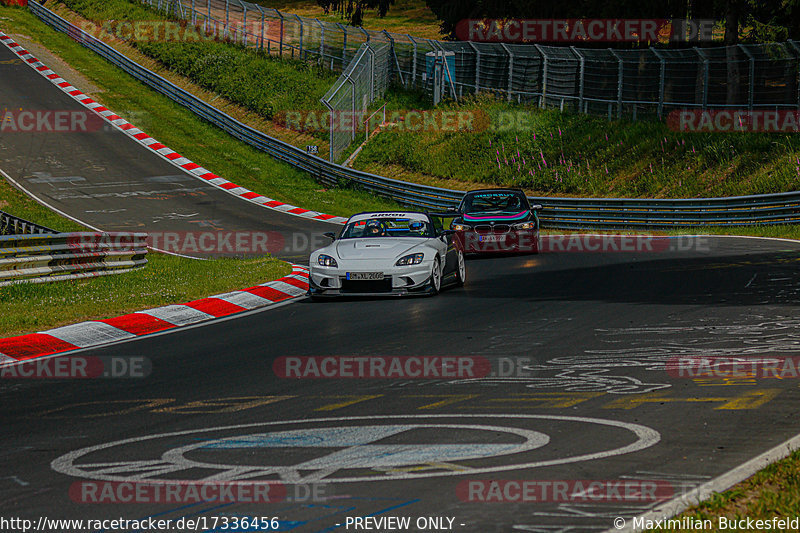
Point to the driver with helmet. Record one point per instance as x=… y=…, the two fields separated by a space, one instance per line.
x=375 y=228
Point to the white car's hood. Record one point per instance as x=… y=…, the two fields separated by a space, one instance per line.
x=376 y=247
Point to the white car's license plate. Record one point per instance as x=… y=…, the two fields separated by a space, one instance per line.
x=365 y=276
x=492 y=238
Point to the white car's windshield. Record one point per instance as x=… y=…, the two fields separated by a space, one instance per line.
x=388 y=227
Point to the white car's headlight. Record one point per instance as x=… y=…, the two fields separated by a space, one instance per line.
x=525 y=225
x=413 y=259
x=461 y=227
x=326 y=261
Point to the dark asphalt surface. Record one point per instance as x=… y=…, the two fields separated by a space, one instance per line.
x=596 y=329
x=109 y=181
x=588 y=336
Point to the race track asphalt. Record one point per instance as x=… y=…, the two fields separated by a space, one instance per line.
x=582 y=347
x=109 y=181
x=590 y=400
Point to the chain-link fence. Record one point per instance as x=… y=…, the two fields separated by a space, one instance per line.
x=364 y=80
x=616 y=83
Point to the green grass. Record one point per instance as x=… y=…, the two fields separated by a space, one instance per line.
x=772 y=492
x=165 y=280
x=187 y=134
x=260 y=82
x=405 y=16
x=543 y=152
x=554 y=153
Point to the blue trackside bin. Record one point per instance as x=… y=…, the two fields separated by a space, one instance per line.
x=448 y=57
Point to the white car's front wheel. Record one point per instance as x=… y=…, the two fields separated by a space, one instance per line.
x=436 y=277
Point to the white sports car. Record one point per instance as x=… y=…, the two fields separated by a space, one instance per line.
x=386 y=253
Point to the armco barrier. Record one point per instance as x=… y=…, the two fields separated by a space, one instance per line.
x=559 y=213
x=51 y=257
x=11 y=225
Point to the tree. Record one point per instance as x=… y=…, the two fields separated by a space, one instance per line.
x=353 y=10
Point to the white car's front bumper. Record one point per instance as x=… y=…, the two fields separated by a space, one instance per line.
x=332 y=281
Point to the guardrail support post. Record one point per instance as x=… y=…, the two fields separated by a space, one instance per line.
x=194 y=15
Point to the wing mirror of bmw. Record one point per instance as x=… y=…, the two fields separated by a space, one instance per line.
x=331 y=235
x=444 y=233
x=536 y=207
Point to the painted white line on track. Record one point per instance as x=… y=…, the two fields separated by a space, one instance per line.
x=645 y=438
x=719 y=484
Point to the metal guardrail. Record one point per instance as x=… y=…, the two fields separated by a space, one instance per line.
x=11 y=225
x=48 y=257
x=559 y=213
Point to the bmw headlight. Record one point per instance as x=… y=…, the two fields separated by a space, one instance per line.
x=326 y=261
x=413 y=259
x=461 y=227
x=525 y=225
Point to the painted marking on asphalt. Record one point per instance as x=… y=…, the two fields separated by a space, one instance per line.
x=351 y=401
x=16 y=480
x=225 y=405
x=747 y=400
x=138 y=405
x=552 y=400
x=725 y=382
x=367 y=452
x=449 y=399
x=362 y=448
x=544 y=400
